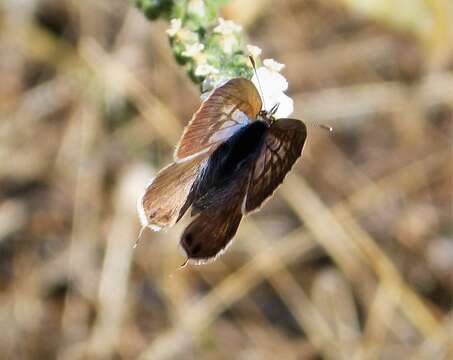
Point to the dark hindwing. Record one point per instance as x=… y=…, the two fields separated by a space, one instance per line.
x=208 y=235
x=223 y=113
x=218 y=193
x=282 y=146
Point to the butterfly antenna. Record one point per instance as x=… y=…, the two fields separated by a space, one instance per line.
x=322 y=126
x=326 y=127
x=274 y=109
x=139 y=236
x=252 y=60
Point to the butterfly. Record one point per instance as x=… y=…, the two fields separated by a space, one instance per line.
x=230 y=159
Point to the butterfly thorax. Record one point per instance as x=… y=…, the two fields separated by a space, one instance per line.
x=266 y=117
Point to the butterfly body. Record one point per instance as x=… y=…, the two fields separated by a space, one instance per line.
x=230 y=159
x=240 y=148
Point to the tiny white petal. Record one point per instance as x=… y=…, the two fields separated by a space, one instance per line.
x=197 y=7
x=205 y=69
x=228 y=43
x=205 y=95
x=193 y=49
x=187 y=36
x=207 y=86
x=253 y=50
x=271 y=80
x=286 y=106
x=273 y=65
x=273 y=86
x=175 y=26
x=211 y=83
x=227 y=27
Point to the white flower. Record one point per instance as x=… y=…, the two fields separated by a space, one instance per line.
x=253 y=50
x=211 y=83
x=193 y=50
x=229 y=42
x=227 y=27
x=205 y=69
x=197 y=7
x=175 y=26
x=273 y=65
x=187 y=36
x=273 y=86
x=229 y=30
x=183 y=34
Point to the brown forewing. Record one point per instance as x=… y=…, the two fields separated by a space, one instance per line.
x=228 y=108
x=282 y=146
x=161 y=204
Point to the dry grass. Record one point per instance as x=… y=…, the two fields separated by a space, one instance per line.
x=352 y=259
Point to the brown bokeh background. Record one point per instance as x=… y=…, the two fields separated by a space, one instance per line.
x=351 y=259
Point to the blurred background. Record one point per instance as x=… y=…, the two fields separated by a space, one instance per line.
x=351 y=259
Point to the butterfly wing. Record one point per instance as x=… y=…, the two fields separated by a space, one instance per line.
x=209 y=234
x=226 y=110
x=211 y=231
x=282 y=146
x=162 y=203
